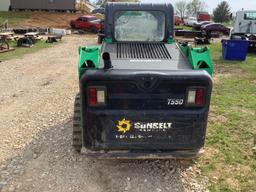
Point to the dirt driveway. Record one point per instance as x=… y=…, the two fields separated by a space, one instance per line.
x=36 y=106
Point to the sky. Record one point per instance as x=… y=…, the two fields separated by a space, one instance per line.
x=211 y=4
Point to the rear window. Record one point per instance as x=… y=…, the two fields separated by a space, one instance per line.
x=250 y=16
x=139 y=26
x=92 y=19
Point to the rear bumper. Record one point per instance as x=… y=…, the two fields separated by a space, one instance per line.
x=181 y=154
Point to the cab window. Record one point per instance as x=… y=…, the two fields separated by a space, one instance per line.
x=139 y=26
x=250 y=16
x=81 y=19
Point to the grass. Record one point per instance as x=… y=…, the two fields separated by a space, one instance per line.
x=229 y=24
x=21 y=51
x=184 y=27
x=14 y=18
x=230 y=159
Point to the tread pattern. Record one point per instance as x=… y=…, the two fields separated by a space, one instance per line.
x=77 y=131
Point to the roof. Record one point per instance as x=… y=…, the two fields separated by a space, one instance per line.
x=202 y=12
x=88 y=16
x=245 y=11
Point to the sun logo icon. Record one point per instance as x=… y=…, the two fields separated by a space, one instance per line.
x=123 y=126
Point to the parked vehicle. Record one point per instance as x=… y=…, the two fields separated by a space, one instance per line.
x=141 y=95
x=87 y=22
x=177 y=20
x=198 y=26
x=203 y=16
x=245 y=28
x=245 y=22
x=98 y=10
x=190 y=21
x=216 y=28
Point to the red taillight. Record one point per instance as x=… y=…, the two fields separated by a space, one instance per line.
x=199 y=96
x=92 y=96
x=96 y=96
x=196 y=96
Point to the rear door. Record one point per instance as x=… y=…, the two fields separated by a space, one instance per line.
x=146 y=111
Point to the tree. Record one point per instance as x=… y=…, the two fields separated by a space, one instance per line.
x=195 y=6
x=181 y=8
x=222 y=12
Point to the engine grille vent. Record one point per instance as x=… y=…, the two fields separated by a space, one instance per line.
x=142 y=51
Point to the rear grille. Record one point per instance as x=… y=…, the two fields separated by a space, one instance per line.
x=142 y=51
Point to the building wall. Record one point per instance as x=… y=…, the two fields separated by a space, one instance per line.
x=4 y=5
x=44 y=4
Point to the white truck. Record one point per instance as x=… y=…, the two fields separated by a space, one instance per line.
x=245 y=27
x=191 y=21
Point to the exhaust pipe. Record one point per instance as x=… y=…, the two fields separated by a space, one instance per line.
x=107 y=60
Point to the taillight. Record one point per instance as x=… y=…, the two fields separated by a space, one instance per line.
x=92 y=96
x=196 y=96
x=199 y=96
x=96 y=96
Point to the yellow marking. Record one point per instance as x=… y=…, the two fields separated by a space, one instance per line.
x=124 y=126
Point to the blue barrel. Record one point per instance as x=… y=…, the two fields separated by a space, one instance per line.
x=235 y=50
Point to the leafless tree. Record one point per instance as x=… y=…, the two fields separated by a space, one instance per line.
x=181 y=7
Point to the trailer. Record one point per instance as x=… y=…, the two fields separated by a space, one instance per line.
x=203 y=16
x=48 y=5
x=4 y=5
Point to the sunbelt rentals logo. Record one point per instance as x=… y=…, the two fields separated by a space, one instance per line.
x=124 y=126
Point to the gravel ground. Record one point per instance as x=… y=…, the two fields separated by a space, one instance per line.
x=36 y=106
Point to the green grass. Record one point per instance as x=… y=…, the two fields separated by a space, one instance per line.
x=184 y=27
x=21 y=51
x=229 y=157
x=229 y=24
x=14 y=18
